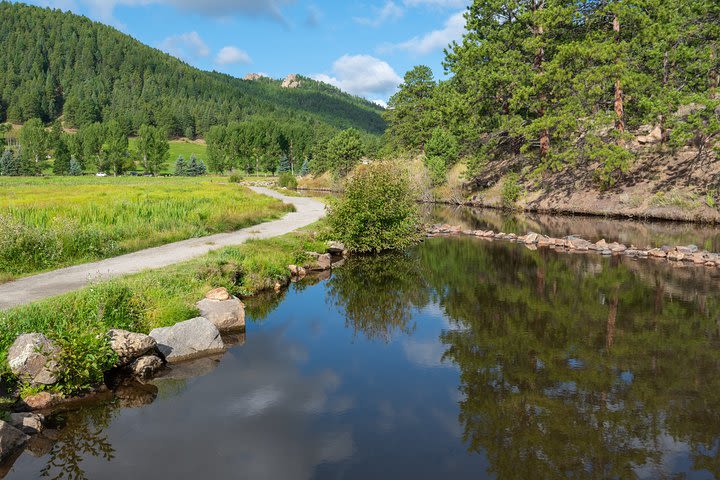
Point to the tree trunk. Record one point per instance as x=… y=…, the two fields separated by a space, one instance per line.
x=539 y=60
x=619 y=106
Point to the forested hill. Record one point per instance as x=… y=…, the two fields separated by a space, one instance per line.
x=56 y=64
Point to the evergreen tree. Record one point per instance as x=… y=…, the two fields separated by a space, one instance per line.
x=441 y=152
x=411 y=113
x=181 y=168
x=283 y=164
x=201 y=168
x=75 y=169
x=8 y=164
x=305 y=169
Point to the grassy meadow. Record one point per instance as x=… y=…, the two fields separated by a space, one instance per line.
x=51 y=222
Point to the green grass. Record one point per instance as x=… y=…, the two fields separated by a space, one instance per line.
x=47 y=223
x=160 y=297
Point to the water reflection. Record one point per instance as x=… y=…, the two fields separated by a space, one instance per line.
x=462 y=358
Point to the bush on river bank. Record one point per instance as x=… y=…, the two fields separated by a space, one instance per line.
x=378 y=210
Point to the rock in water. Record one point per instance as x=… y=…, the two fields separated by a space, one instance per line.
x=336 y=248
x=193 y=338
x=11 y=439
x=130 y=346
x=32 y=358
x=226 y=315
x=146 y=367
x=28 y=423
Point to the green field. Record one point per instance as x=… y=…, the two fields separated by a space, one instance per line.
x=51 y=222
x=185 y=148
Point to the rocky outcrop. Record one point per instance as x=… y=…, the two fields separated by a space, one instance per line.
x=130 y=346
x=11 y=440
x=254 y=76
x=187 y=340
x=227 y=314
x=291 y=81
x=32 y=358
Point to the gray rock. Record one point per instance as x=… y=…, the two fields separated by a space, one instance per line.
x=130 y=346
x=226 y=315
x=28 y=423
x=146 y=367
x=32 y=358
x=336 y=248
x=11 y=440
x=193 y=338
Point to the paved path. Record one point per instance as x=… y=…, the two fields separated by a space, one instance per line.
x=37 y=287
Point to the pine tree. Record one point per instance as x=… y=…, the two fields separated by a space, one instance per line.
x=201 y=168
x=6 y=163
x=283 y=164
x=194 y=169
x=411 y=113
x=75 y=169
x=305 y=169
x=181 y=168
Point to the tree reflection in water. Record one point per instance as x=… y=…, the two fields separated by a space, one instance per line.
x=81 y=436
x=570 y=365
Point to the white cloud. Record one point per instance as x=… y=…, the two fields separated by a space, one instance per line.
x=103 y=9
x=185 y=46
x=231 y=55
x=388 y=12
x=362 y=75
x=437 y=3
x=435 y=40
x=380 y=101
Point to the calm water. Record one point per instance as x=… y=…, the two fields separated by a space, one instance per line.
x=460 y=359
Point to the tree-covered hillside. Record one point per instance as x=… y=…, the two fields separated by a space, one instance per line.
x=561 y=84
x=55 y=64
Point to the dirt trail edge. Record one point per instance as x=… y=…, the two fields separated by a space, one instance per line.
x=56 y=282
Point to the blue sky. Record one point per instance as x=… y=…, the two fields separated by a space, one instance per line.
x=363 y=47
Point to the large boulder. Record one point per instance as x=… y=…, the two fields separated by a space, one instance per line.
x=28 y=423
x=32 y=358
x=11 y=440
x=218 y=294
x=226 y=315
x=187 y=340
x=321 y=263
x=130 y=346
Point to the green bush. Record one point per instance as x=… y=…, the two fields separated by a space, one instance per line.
x=441 y=151
x=287 y=180
x=84 y=358
x=511 y=190
x=378 y=211
x=235 y=177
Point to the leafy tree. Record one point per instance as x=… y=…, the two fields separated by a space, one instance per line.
x=34 y=143
x=153 y=148
x=4 y=129
x=377 y=212
x=344 y=151
x=116 y=148
x=61 y=155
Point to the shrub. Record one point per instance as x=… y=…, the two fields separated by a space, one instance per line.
x=511 y=190
x=235 y=177
x=378 y=211
x=440 y=152
x=287 y=180
x=84 y=358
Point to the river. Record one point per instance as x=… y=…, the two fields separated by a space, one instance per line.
x=461 y=358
